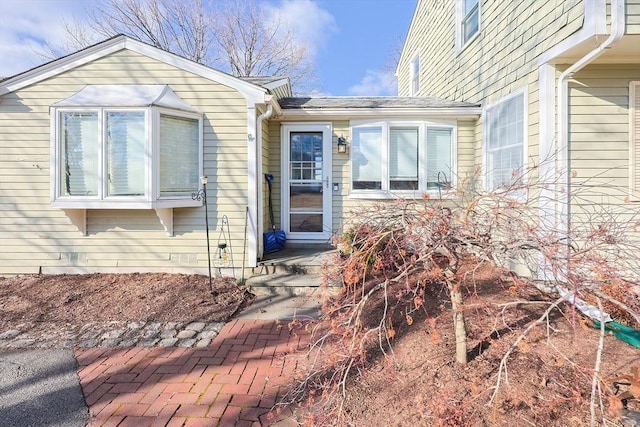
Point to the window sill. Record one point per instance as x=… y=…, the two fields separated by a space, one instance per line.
x=125 y=203
x=460 y=47
x=389 y=195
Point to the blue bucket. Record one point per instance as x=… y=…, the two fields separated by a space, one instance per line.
x=274 y=241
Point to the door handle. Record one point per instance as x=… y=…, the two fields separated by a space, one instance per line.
x=326 y=182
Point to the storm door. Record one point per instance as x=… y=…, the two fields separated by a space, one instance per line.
x=307 y=183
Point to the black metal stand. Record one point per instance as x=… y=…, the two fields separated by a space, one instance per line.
x=202 y=195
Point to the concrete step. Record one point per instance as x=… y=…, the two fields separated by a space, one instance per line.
x=296 y=259
x=285 y=279
x=283 y=303
x=272 y=268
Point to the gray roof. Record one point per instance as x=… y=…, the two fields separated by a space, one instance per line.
x=370 y=102
x=261 y=81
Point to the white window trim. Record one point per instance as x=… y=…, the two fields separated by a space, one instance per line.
x=460 y=43
x=414 y=74
x=151 y=199
x=422 y=125
x=485 y=126
x=634 y=143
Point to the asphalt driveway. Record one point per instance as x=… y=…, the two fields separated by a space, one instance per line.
x=40 y=388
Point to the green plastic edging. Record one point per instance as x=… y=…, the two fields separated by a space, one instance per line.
x=622 y=332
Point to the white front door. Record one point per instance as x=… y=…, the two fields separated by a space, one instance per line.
x=306 y=189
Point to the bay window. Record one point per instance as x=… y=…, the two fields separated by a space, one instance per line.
x=398 y=158
x=133 y=156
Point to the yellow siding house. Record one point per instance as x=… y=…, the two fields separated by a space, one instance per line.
x=559 y=86
x=103 y=154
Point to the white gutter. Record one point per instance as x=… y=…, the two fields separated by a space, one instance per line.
x=563 y=187
x=440 y=112
x=258 y=147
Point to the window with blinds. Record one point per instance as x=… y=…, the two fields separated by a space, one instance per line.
x=366 y=158
x=178 y=155
x=109 y=157
x=403 y=159
x=125 y=153
x=79 y=154
x=439 y=157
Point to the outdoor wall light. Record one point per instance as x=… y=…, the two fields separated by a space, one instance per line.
x=342 y=144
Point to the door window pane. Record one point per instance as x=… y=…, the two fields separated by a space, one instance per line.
x=305 y=198
x=305 y=223
x=79 y=154
x=305 y=155
x=125 y=153
x=366 y=158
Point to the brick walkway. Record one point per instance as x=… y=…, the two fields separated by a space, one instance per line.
x=233 y=382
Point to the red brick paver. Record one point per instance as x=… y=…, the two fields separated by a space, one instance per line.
x=233 y=382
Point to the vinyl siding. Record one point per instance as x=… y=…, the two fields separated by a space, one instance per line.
x=36 y=237
x=599 y=127
x=500 y=61
x=344 y=206
x=274 y=167
x=633 y=16
x=466 y=133
x=512 y=37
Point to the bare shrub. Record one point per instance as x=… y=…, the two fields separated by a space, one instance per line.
x=395 y=255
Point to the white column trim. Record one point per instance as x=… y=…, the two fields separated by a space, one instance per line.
x=252 y=188
x=548 y=169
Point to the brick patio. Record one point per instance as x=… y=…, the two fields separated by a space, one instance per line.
x=233 y=382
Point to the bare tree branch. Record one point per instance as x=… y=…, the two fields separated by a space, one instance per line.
x=234 y=37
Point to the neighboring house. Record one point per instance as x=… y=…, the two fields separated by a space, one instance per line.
x=101 y=150
x=559 y=86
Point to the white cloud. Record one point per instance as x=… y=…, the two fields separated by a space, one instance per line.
x=25 y=26
x=309 y=23
x=375 y=83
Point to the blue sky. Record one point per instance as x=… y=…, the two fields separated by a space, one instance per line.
x=351 y=40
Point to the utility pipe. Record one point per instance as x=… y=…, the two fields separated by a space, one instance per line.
x=563 y=192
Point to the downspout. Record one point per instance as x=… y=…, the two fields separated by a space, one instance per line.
x=267 y=114
x=563 y=209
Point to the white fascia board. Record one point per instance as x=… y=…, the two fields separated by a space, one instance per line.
x=595 y=24
x=61 y=65
x=277 y=83
x=455 y=112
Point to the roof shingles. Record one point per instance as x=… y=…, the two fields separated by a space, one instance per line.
x=369 y=102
